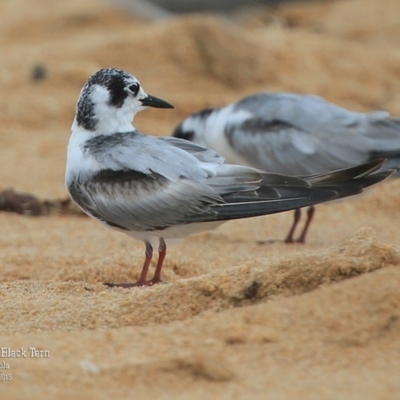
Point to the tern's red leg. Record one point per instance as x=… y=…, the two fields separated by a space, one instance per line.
x=297 y=215
x=143 y=275
x=310 y=215
x=162 y=251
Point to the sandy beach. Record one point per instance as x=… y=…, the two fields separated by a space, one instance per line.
x=239 y=315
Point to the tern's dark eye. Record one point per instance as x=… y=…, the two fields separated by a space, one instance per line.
x=134 y=88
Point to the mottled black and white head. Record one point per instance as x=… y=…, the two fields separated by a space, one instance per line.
x=110 y=100
x=195 y=127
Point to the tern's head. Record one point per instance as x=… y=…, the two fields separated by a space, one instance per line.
x=109 y=101
x=194 y=128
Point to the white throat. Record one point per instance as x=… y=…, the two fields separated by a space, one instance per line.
x=110 y=120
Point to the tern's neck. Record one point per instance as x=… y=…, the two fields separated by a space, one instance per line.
x=212 y=126
x=105 y=120
x=216 y=128
x=104 y=127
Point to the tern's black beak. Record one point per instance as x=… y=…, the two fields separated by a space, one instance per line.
x=151 y=101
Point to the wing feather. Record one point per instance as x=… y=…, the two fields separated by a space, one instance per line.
x=155 y=196
x=299 y=134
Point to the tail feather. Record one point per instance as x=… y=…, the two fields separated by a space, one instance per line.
x=305 y=192
x=253 y=209
x=384 y=133
x=344 y=174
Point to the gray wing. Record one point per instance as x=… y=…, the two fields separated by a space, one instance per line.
x=168 y=157
x=134 y=201
x=147 y=183
x=200 y=152
x=128 y=195
x=302 y=134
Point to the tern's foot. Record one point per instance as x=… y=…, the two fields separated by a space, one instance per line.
x=153 y=281
x=122 y=285
x=131 y=285
x=293 y=241
x=286 y=241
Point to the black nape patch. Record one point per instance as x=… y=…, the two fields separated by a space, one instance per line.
x=85 y=115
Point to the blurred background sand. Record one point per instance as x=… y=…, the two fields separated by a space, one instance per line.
x=233 y=318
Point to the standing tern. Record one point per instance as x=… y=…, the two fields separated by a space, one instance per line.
x=159 y=188
x=294 y=134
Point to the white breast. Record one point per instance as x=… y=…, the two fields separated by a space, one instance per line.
x=78 y=161
x=215 y=133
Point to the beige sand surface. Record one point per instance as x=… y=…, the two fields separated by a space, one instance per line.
x=233 y=318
